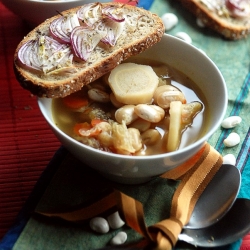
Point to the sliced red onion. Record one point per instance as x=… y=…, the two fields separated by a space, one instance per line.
x=238 y=8
x=84 y=40
x=109 y=20
x=28 y=55
x=113 y=31
x=45 y=54
x=52 y=54
x=114 y=13
x=90 y=13
x=61 y=27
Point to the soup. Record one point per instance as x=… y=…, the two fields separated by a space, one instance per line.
x=95 y=117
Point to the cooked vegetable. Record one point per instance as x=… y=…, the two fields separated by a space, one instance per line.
x=189 y=111
x=75 y=101
x=180 y=116
x=174 y=133
x=126 y=141
x=133 y=83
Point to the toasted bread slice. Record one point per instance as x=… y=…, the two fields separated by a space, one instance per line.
x=217 y=15
x=142 y=30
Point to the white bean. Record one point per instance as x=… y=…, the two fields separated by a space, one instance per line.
x=232 y=140
x=163 y=88
x=115 y=220
x=169 y=20
x=151 y=113
x=229 y=159
x=141 y=124
x=119 y=239
x=231 y=122
x=184 y=36
x=165 y=98
x=126 y=113
x=97 y=85
x=99 y=225
x=150 y=136
x=98 y=95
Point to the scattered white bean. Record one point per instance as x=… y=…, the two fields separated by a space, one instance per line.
x=229 y=159
x=99 y=225
x=232 y=140
x=119 y=239
x=200 y=23
x=169 y=20
x=184 y=36
x=115 y=220
x=151 y=113
x=231 y=122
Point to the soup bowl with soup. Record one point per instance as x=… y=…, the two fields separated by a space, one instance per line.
x=134 y=138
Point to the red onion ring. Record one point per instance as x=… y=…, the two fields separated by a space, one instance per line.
x=90 y=13
x=113 y=13
x=61 y=27
x=84 y=40
x=113 y=31
x=45 y=54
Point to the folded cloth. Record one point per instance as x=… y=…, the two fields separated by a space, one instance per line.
x=64 y=193
x=77 y=193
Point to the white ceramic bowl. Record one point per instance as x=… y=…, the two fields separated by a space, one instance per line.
x=138 y=169
x=37 y=11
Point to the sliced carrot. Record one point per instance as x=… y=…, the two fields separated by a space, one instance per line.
x=75 y=102
x=94 y=131
x=86 y=126
x=86 y=129
x=96 y=121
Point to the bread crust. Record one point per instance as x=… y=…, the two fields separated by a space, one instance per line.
x=126 y=46
x=227 y=27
